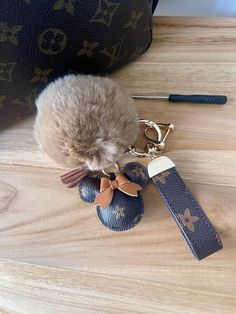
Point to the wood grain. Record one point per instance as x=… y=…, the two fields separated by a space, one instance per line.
x=55 y=256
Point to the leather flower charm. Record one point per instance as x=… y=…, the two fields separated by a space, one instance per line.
x=119 y=202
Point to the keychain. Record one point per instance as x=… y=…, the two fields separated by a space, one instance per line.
x=119 y=203
x=89 y=122
x=188 y=214
x=116 y=194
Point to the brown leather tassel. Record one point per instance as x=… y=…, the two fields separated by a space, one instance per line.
x=74 y=177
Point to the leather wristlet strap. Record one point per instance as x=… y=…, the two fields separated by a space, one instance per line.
x=188 y=214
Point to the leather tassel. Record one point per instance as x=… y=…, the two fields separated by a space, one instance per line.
x=73 y=177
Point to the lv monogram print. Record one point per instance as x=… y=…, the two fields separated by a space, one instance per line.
x=137 y=52
x=105 y=12
x=138 y=171
x=28 y=101
x=39 y=43
x=119 y=212
x=9 y=33
x=134 y=19
x=6 y=70
x=52 y=41
x=88 y=49
x=40 y=75
x=114 y=53
x=187 y=220
x=162 y=177
x=68 y=5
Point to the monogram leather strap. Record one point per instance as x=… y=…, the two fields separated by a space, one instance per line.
x=188 y=214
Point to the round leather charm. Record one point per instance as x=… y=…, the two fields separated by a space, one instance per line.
x=89 y=188
x=124 y=211
x=136 y=172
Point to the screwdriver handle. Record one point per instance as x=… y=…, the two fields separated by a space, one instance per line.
x=202 y=99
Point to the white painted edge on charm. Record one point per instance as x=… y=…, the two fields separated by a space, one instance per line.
x=159 y=165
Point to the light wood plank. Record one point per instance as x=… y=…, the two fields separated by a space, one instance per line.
x=85 y=292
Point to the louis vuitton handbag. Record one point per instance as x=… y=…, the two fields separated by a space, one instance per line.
x=41 y=40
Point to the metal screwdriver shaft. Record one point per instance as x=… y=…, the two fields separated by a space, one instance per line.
x=201 y=99
x=150 y=97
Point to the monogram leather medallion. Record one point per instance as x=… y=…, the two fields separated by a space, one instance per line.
x=121 y=206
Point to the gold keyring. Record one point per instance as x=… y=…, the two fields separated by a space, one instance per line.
x=108 y=173
x=146 y=153
x=167 y=126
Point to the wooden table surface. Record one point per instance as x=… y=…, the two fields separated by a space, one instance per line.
x=56 y=257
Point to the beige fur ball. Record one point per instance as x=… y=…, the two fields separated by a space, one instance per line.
x=85 y=120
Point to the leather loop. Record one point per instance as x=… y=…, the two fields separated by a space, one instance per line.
x=188 y=214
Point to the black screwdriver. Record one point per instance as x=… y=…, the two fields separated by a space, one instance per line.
x=200 y=99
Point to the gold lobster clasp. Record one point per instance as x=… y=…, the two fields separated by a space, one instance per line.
x=154 y=147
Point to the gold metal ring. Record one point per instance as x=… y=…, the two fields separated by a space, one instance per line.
x=168 y=128
x=150 y=125
x=108 y=173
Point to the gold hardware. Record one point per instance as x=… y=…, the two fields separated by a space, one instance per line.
x=153 y=148
x=115 y=172
x=160 y=144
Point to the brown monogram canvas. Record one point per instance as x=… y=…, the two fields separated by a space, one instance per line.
x=42 y=40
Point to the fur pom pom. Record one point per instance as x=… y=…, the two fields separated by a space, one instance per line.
x=85 y=120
